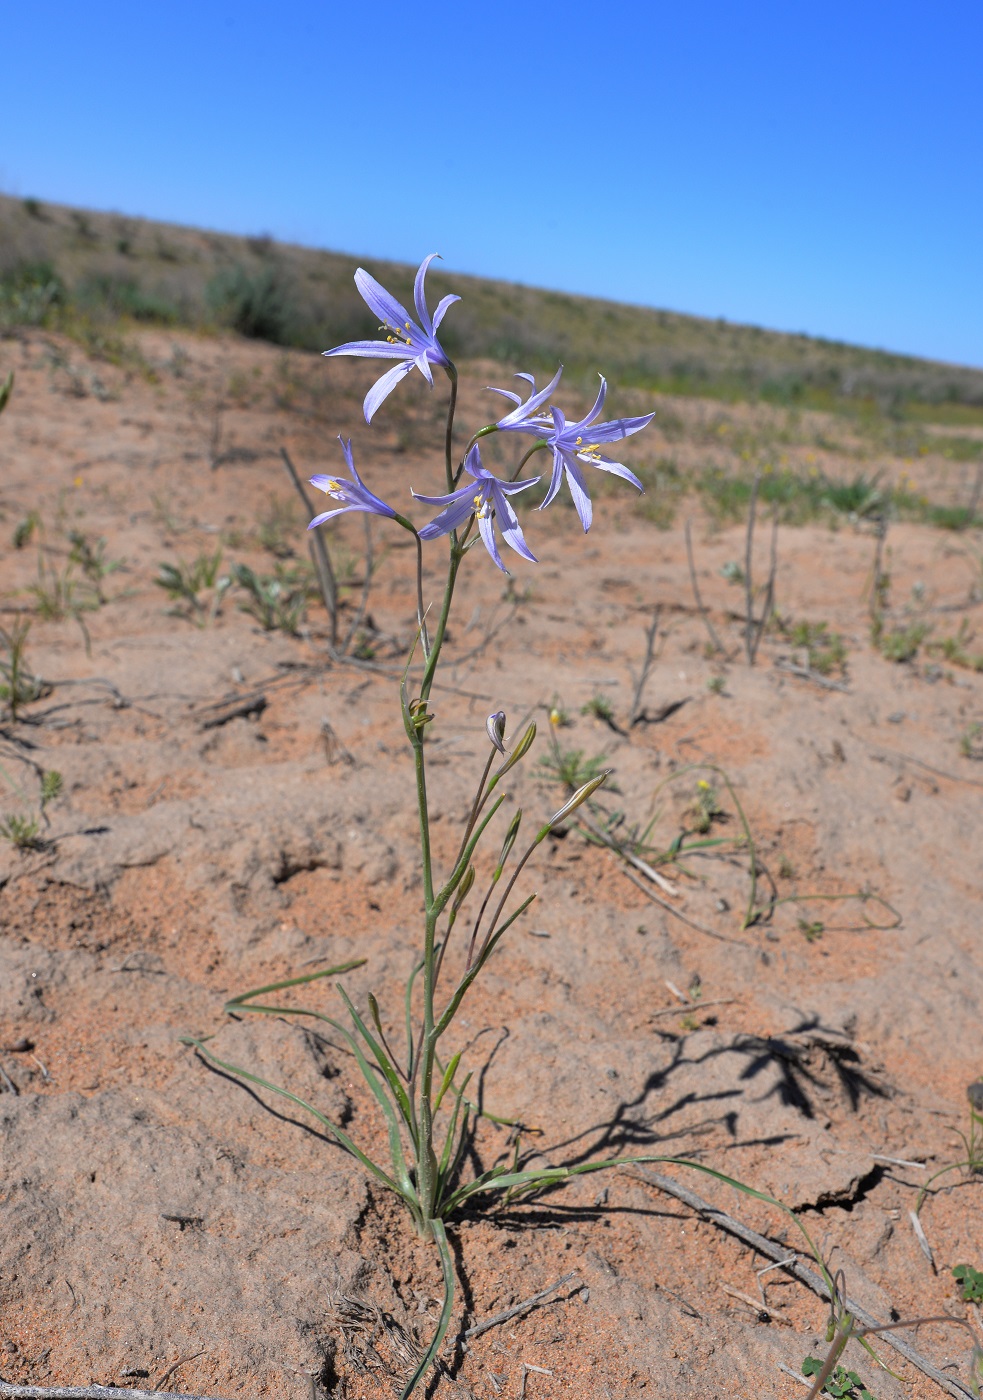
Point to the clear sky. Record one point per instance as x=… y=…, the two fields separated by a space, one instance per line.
x=799 y=165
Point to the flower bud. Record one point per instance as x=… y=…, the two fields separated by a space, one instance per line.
x=580 y=796
x=495 y=729
x=520 y=751
x=510 y=838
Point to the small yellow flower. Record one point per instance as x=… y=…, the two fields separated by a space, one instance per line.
x=702 y=783
x=77 y=481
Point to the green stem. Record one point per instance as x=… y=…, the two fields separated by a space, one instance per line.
x=536 y=447
x=449 y=434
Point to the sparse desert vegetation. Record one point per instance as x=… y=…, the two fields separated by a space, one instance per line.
x=756 y=946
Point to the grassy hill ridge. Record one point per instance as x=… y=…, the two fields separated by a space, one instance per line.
x=59 y=263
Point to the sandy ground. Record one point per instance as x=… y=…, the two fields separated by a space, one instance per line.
x=164 y=1224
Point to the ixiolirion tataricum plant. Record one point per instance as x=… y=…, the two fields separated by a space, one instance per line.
x=421 y=1092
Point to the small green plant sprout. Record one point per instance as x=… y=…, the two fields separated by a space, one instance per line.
x=705 y=808
x=278 y=603
x=811 y=929
x=971 y=743
x=825 y=650
x=26 y=529
x=970 y=1280
x=955 y=649
x=786 y=870
x=51 y=786
x=844 y=1384
x=732 y=572
x=572 y=768
x=972 y=1142
x=90 y=556
x=18 y=686
x=717 y=685
x=196 y=589
x=901 y=644
x=277 y=530
x=58 y=593
x=599 y=707
x=21 y=831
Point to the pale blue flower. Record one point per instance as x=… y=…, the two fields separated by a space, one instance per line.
x=489 y=502
x=405 y=341
x=573 y=446
x=354 y=494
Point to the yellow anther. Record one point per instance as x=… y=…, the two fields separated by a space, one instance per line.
x=407 y=325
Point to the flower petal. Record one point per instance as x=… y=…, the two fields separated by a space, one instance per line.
x=595 y=412
x=615 y=468
x=511 y=532
x=457 y=495
x=619 y=428
x=505 y=393
x=371 y=350
x=419 y=298
x=517 y=418
x=487 y=528
x=377 y=299
x=511 y=488
x=423 y=365
x=448 y=519
x=443 y=306
x=346 y=448
x=383 y=387
x=581 y=500
x=330 y=515
x=556 y=479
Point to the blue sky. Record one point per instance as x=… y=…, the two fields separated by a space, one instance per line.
x=804 y=166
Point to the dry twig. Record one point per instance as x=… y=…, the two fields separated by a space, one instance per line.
x=318 y=551
x=635 y=713
x=498 y=1318
x=800 y=1271
x=711 y=630
x=754 y=629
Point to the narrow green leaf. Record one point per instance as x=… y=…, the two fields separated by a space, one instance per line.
x=337 y=1133
x=240 y=1000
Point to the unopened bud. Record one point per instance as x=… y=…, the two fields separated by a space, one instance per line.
x=419 y=714
x=520 y=751
x=495 y=729
x=580 y=796
x=510 y=838
x=463 y=890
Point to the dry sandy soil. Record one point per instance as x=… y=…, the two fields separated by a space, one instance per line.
x=236 y=809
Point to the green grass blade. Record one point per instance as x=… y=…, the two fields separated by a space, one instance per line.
x=409 y=1016
x=385 y=1065
x=493 y=941
x=447 y=1268
x=240 y=1001
x=341 y=1137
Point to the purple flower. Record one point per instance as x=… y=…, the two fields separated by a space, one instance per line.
x=406 y=341
x=354 y=494
x=579 y=443
x=525 y=417
x=489 y=501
